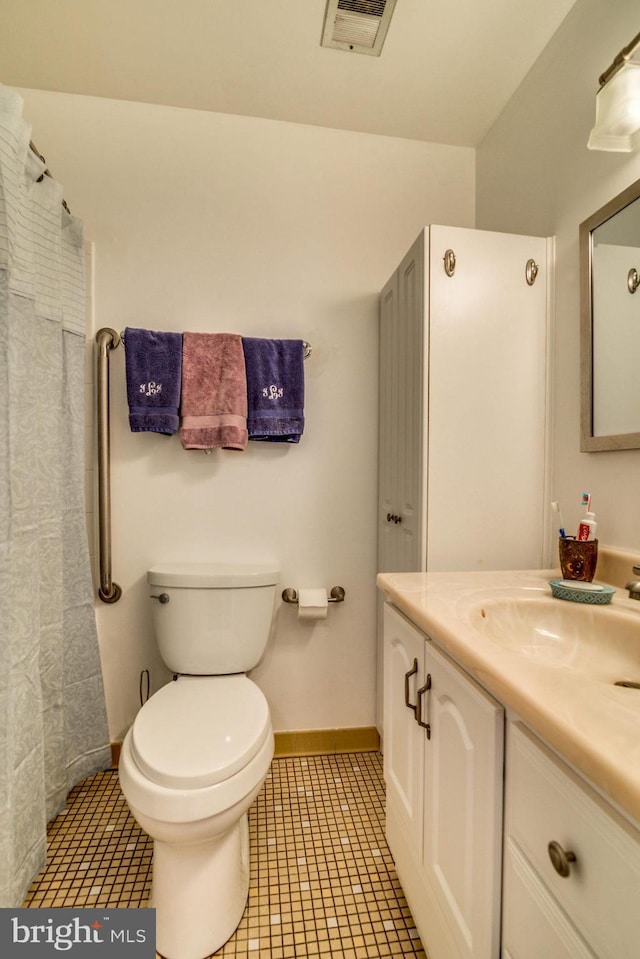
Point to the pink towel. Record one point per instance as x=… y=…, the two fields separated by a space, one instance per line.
x=214 y=392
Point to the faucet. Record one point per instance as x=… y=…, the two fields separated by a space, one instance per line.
x=634 y=585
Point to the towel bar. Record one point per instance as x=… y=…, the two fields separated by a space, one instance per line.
x=307 y=347
x=108 y=591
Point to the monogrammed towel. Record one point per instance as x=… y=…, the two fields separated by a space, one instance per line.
x=214 y=392
x=275 y=389
x=153 y=364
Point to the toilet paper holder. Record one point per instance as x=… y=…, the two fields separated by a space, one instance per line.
x=336 y=595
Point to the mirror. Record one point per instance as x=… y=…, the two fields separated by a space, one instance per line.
x=610 y=324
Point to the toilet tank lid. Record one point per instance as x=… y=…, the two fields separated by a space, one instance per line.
x=213 y=575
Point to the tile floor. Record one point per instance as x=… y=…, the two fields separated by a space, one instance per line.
x=322 y=884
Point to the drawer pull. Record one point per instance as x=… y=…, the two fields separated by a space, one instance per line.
x=407 y=677
x=560 y=859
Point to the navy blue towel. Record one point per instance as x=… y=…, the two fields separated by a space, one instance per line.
x=154 y=376
x=275 y=389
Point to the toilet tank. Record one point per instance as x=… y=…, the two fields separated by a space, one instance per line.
x=212 y=618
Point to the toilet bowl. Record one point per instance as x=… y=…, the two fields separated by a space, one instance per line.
x=196 y=757
x=190 y=791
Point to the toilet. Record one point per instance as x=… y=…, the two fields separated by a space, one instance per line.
x=200 y=749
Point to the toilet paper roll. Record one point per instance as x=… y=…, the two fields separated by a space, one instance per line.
x=312 y=604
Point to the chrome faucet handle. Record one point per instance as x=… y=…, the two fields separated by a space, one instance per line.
x=634 y=585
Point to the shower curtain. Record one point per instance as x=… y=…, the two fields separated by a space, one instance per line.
x=53 y=729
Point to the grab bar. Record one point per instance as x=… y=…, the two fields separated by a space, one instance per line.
x=108 y=591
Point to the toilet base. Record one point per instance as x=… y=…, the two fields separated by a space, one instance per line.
x=200 y=892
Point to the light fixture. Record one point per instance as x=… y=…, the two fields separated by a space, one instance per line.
x=617 y=126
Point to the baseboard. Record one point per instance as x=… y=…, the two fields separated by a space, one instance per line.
x=308 y=742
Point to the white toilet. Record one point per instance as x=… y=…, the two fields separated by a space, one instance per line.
x=200 y=749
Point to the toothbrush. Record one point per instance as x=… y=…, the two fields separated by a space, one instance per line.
x=586 y=501
x=556 y=509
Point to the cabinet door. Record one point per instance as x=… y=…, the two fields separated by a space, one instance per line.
x=401 y=533
x=463 y=807
x=403 y=742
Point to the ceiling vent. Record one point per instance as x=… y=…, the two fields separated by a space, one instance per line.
x=358 y=26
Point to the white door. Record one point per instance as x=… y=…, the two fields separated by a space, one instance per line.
x=401 y=488
x=388 y=540
x=463 y=808
x=487 y=415
x=403 y=742
x=401 y=525
x=413 y=365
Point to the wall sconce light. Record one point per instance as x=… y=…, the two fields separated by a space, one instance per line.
x=617 y=126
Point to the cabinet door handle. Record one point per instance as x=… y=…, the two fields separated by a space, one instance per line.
x=407 y=677
x=561 y=859
x=419 y=701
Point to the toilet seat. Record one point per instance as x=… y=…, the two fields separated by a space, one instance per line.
x=200 y=731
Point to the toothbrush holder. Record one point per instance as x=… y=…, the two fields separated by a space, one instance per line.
x=578 y=559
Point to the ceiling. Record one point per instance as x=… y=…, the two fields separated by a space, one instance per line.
x=445 y=73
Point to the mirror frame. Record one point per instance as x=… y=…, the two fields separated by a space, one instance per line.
x=588 y=442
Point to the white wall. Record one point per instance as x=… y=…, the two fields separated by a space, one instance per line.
x=223 y=223
x=535 y=175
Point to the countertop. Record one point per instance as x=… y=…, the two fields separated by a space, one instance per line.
x=594 y=724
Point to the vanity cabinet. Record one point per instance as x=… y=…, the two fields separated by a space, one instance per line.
x=556 y=877
x=443 y=762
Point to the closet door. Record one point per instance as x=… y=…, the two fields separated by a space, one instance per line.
x=402 y=416
x=412 y=411
x=487 y=414
x=388 y=555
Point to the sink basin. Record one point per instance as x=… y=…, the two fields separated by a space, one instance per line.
x=599 y=641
